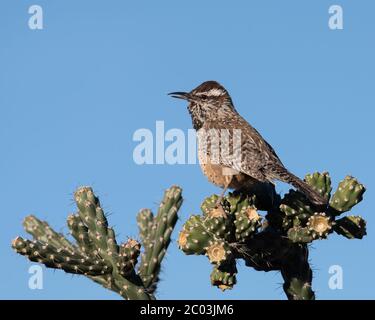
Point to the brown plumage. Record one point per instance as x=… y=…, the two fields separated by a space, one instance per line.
x=232 y=154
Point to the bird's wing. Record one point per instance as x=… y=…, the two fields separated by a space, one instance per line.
x=244 y=151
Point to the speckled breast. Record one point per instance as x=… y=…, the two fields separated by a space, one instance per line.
x=215 y=172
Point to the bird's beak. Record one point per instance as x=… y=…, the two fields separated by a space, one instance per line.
x=180 y=95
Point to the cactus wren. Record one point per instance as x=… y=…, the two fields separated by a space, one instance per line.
x=212 y=110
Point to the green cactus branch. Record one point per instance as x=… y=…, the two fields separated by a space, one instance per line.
x=96 y=254
x=155 y=234
x=279 y=240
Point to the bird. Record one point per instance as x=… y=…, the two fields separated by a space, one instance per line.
x=232 y=154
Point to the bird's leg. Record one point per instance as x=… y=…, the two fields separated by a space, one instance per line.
x=228 y=180
x=218 y=202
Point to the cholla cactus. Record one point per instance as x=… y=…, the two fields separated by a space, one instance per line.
x=305 y=223
x=96 y=253
x=278 y=241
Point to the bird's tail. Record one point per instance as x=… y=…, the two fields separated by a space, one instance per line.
x=288 y=177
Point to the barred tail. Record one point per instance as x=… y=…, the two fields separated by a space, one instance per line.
x=288 y=177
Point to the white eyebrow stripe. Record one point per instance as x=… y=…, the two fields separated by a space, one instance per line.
x=215 y=92
x=212 y=92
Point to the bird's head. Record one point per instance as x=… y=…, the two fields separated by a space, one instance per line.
x=207 y=101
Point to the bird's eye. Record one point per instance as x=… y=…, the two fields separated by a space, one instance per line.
x=203 y=97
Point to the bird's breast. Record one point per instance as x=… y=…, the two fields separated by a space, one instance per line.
x=218 y=174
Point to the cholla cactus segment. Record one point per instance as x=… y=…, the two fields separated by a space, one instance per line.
x=210 y=207
x=218 y=213
x=319 y=225
x=220 y=224
x=234 y=199
x=351 y=227
x=245 y=202
x=209 y=203
x=87 y=203
x=247 y=221
x=238 y=199
x=194 y=237
x=80 y=233
x=93 y=217
x=347 y=195
x=224 y=277
x=294 y=221
x=41 y=231
x=145 y=221
x=300 y=235
x=287 y=222
x=219 y=227
x=128 y=256
x=295 y=203
x=219 y=252
x=299 y=290
x=320 y=182
x=156 y=235
x=59 y=258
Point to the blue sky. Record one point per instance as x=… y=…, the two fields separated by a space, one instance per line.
x=72 y=95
